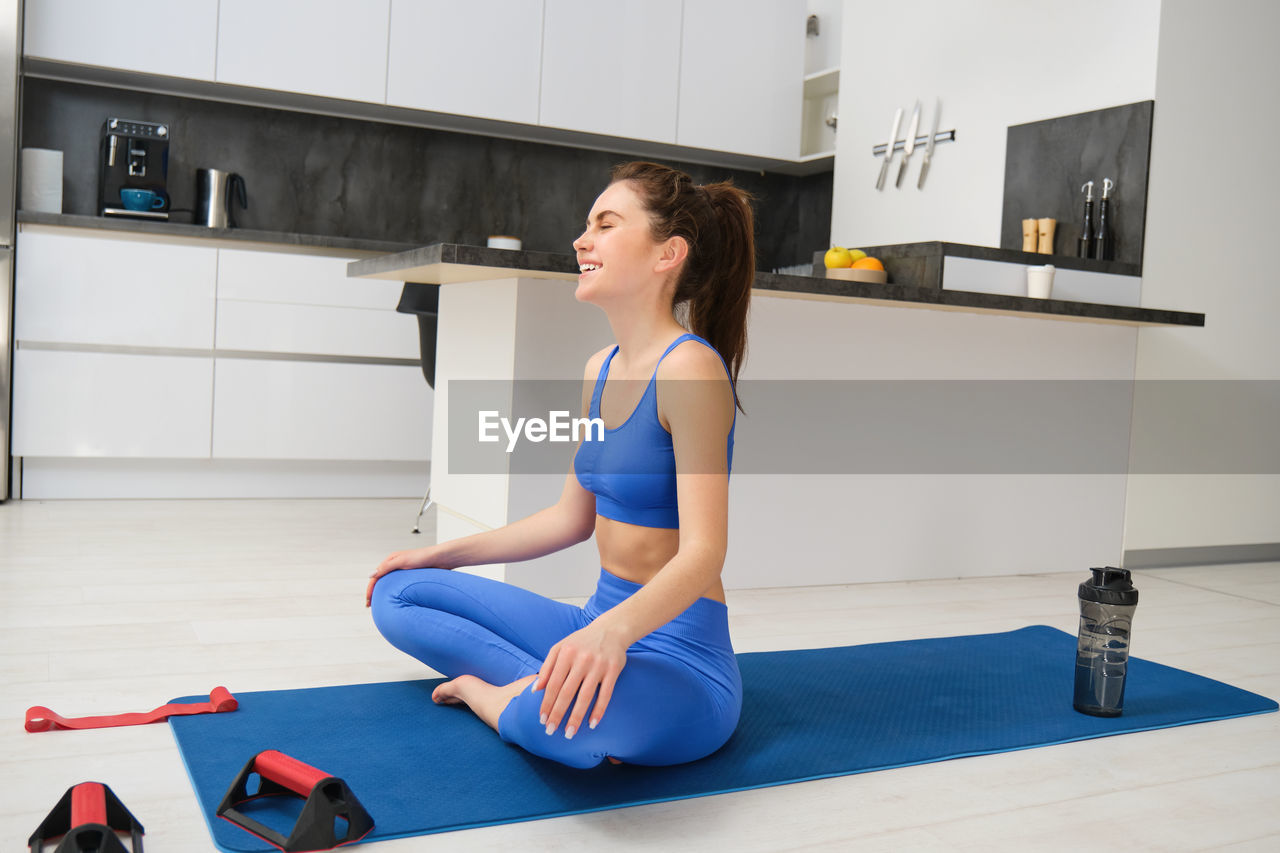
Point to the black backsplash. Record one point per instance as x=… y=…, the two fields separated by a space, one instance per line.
x=1046 y=162
x=341 y=177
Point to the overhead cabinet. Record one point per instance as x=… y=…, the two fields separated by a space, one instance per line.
x=742 y=76
x=717 y=75
x=151 y=36
x=612 y=68
x=480 y=58
x=333 y=48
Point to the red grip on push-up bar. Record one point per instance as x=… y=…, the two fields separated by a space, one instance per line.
x=331 y=814
x=88 y=804
x=295 y=775
x=88 y=816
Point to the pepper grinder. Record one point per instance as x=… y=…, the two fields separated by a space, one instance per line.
x=1046 y=228
x=1084 y=245
x=1104 y=248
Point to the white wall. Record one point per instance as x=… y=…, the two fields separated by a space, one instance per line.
x=1210 y=247
x=1211 y=69
x=993 y=63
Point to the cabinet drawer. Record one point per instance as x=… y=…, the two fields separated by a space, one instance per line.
x=87 y=290
x=310 y=410
x=111 y=405
x=299 y=280
x=315 y=330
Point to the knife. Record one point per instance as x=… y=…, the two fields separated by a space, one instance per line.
x=910 y=144
x=928 y=149
x=888 y=151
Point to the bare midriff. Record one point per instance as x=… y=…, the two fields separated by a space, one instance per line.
x=637 y=553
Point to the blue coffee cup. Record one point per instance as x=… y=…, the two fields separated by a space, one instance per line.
x=141 y=199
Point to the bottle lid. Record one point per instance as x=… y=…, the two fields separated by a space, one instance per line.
x=1109 y=585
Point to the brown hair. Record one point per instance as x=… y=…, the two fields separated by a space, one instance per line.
x=716 y=221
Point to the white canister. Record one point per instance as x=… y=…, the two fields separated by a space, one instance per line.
x=502 y=241
x=1040 y=281
x=41 y=180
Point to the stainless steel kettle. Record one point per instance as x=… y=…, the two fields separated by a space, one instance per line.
x=214 y=192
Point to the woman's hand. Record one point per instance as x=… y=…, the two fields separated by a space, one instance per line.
x=582 y=663
x=417 y=558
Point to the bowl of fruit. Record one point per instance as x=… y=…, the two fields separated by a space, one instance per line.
x=854 y=265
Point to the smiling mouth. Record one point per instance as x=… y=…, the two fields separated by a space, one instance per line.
x=583 y=269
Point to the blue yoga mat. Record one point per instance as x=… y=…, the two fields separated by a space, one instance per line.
x=421 y=768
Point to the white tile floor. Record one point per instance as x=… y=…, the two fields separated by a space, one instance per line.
x=110 y=606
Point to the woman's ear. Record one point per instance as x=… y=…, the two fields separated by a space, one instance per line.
x=674 y=252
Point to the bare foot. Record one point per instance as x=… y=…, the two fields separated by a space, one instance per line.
x=488 y=701
x=450 y=693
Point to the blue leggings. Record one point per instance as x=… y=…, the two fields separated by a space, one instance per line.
x=677 y=699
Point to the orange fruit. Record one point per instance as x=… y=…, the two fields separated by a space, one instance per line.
x=867 y=263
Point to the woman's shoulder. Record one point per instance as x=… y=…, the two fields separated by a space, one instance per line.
x=595 y=362
x=692 y=358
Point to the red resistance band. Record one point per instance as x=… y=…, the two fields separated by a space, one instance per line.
x=41 y=719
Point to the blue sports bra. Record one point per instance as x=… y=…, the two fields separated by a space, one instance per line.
x=632 y=471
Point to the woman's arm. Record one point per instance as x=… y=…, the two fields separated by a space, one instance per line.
x=567 y=522
x=696 y=400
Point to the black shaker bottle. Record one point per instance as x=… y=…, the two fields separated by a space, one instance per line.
x=1107 y=602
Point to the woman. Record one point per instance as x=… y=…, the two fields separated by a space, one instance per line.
x=645 y=672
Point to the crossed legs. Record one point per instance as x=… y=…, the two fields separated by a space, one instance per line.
x=491 y=638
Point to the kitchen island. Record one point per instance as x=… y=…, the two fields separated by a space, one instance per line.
x=510 y=318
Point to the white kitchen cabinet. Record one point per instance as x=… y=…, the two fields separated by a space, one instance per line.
x=334 y=48
x=612 y=68
x=742 y=76
x=152 y=36
x=314 y=410
x=100 y=404
x=299 y=279
x=316 y=330
x=90 y=290
x=479 y=58
x=305 y=304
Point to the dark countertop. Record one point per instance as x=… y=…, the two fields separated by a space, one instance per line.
x=449 y=263
x=153 y=228
x=937 y=248
x=964 y=300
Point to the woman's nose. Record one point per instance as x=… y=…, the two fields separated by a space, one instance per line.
x=581 y=243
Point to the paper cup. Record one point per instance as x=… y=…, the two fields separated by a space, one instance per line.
x=501 y=242
x=1040 y=281
x=41 y=180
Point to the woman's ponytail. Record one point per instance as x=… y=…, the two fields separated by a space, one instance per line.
x=716 y=221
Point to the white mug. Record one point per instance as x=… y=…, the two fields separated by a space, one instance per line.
x=1040 y=281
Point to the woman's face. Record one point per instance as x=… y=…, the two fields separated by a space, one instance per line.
x=617 y=251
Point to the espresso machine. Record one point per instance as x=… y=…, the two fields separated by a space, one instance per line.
x=133 y=169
